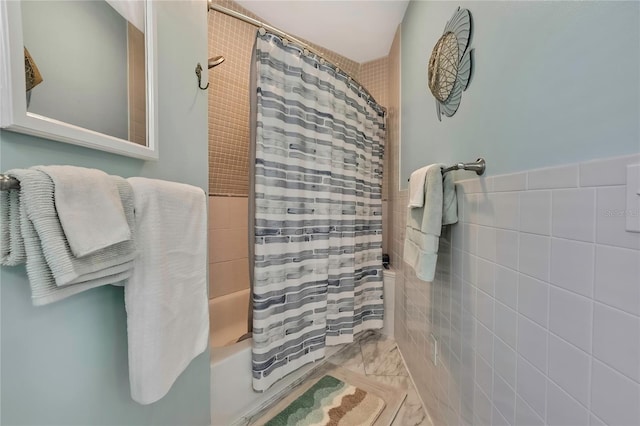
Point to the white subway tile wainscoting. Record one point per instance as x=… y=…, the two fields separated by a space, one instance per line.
x=536 y=312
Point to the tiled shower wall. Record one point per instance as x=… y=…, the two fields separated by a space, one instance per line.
x=229 y=146
x=228 y=245
x=229 y=103
x=229 y=99
x=536 y=303
x=374 y=75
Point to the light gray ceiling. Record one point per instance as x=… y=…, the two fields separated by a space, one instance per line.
x=361 y=30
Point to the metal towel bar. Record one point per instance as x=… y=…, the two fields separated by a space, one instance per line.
x=7 y=183
x=478 y=166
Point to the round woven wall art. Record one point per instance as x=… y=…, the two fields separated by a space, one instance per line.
x=449 y=69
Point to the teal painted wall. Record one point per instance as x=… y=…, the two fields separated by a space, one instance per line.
x=80 y=48
x=66 y=363
x=553 y=83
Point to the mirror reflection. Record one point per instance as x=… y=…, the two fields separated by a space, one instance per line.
x=85 y=64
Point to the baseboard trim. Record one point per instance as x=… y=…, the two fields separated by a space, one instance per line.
x=424 y=406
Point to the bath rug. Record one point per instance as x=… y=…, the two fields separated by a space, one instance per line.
x=337 y=398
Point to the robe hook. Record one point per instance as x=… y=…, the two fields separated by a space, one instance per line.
x=199 y=75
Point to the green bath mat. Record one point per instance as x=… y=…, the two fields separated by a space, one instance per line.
x=331 y=402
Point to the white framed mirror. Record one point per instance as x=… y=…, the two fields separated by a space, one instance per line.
x=81 y=72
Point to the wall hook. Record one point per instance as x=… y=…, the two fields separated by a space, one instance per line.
x=199 y=75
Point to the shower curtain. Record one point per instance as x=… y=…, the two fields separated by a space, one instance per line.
x=317 y=275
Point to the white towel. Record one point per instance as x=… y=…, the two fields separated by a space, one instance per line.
x=31 y=233
x=424 y=224
x=166 y=297
x=89 y=208
x=12 y=251
x=417 y=182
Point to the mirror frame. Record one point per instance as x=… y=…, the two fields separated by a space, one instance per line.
x=13 y=104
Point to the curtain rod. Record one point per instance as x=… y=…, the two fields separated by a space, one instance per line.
x=256 y=23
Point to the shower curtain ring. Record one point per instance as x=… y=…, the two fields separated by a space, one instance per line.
x=199 y=75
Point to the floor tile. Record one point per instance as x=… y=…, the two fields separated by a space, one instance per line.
x=349 y=358
x=381 y=357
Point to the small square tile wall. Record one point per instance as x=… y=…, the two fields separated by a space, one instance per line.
x=229 y=104
x=535 y=305
x=374 y=75
x=137 y=88
x=229 y=98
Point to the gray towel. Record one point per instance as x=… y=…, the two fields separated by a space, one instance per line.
x=54 y=273
x=449 y=200
x=441 y=204
x=422 y=232
x=11 y=242
x=428 y=218
x=83 y=198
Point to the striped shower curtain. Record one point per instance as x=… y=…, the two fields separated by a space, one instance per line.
x=317 y=276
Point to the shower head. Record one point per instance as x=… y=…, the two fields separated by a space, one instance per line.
x=215 y=61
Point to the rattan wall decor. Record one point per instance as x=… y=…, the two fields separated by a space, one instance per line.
x=449 y=69
x=31 y=71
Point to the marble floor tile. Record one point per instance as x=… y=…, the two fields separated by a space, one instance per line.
x=381 y=361
x=349 y=358
x=400 y=382
x=411 y=412
x=381 y=357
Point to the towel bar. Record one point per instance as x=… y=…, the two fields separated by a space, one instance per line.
x=7 y=183
x=478 y=166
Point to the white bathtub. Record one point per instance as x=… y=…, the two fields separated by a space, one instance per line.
x=228 y=318
x=232 y=396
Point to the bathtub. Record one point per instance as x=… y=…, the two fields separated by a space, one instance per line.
x=232 y=396
x=228 y=318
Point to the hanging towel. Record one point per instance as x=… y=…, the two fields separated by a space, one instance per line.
x=449 y=200
x=422 y=233
x=89 y=208
x=12 y=250
x=33 y=234
x=166 y=297
x=417 y=182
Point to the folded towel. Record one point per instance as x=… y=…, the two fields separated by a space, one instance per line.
x=424 y=224
x=12 y=250
x=166 y=297
x=33 y=228
x=417 y=182
x=428 y=218
x=85 y=198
